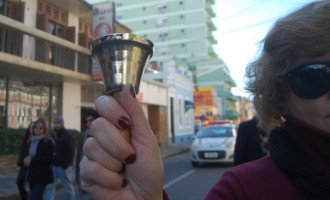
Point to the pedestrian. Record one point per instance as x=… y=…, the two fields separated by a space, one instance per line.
x=89 y=117
x=63 y=160
x=22 y=169
x=38 y=160
x=289 y=83
x=249 y=142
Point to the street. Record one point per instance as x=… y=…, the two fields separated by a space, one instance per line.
x=182 y=181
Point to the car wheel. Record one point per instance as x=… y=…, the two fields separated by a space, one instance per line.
x=194 y=164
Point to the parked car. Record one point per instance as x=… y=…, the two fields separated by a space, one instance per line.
x=214 y=143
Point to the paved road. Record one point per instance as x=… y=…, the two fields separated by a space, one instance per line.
x=182 y=181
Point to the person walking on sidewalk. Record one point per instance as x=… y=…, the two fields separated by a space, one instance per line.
x=249 y=142
x=63 y=159
x=38 y=159
x=89 y=117
x=22 y=169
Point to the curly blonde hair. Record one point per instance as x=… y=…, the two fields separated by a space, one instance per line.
x=303 y=34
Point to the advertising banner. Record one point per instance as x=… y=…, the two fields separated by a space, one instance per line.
x=103 y=24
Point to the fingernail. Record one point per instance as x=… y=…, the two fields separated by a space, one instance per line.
x=130 y=159
x=122 y=170
x=132 y=90
x=124 y=122
x=124 y=183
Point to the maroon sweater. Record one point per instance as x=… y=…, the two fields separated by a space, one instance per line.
x=263 y=180
x=256 y=180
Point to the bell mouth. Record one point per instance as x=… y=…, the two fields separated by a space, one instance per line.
x=120 y=37
x=122 y=58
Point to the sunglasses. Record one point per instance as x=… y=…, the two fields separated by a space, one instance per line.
x=311 y=80
x=38 y=127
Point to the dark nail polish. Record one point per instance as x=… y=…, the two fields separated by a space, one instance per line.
x=130 y=159
x=132 y=90
x=124 y=123
x=124 y=183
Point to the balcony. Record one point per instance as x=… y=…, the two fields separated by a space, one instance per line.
x=25 y=47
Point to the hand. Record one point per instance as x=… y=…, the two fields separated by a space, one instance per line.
x=102 y=171
x=27 y=161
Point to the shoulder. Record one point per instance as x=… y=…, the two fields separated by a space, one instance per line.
x=252 y=123
x=259 y=179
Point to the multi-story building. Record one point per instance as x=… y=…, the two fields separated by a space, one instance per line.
x=207 y=103
x=45 y=66
x=208 y=74
x=182 y=33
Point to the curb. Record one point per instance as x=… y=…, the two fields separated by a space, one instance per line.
x=174 y=154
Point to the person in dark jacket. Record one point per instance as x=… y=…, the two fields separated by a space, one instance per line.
x=22 y=169
x=63 y=159
x=38 y=159
x=289 y=82
x=89 y=117
x=249 y=145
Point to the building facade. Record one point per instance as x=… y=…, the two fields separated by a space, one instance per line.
x=182 y=33
x=45 y=66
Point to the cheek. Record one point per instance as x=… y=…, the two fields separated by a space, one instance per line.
x=300 y=110
x=309 y=111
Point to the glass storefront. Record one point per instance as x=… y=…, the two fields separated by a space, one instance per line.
x=23 y=101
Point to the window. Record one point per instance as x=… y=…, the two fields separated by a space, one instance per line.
x=162 y=7
x=161 y=21
x=56 y=30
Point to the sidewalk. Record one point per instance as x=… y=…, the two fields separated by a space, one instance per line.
x=8 y=188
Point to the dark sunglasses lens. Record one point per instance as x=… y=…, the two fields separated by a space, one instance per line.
x=310 y=81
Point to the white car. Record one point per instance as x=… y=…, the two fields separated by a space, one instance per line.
x=214 y=143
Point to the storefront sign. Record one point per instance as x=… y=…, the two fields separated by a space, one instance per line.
x=103 y=24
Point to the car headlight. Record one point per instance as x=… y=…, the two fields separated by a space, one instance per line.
x=230 y=143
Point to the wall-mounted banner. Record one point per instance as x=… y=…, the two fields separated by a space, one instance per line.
x=188 y=105
x=103 y=24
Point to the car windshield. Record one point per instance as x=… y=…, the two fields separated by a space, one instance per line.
x=208 y=132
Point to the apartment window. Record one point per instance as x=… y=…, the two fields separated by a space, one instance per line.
x=161 y=21
x=4 y=7
x=163 y=35
x=162 y=7
x=56 y=30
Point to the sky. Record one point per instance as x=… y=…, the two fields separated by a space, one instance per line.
x=241 y=25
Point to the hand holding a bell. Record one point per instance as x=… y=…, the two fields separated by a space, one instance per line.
x=107 y=152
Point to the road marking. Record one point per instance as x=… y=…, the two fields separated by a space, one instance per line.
x=169 y=184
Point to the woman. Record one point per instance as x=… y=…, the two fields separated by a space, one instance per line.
x=38 y=159
x=290 y=87
x=21 y=176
